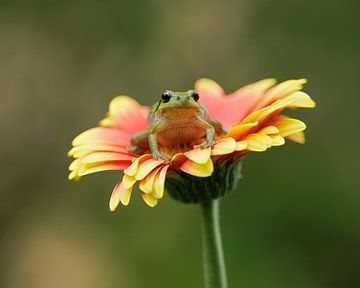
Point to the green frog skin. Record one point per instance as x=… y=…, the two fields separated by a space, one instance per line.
x=178 y=121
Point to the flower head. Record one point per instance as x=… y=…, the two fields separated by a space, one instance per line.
x=251 y=117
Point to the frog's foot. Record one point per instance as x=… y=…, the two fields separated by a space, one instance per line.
x=132 y=149
x=206 y=144
x=158 y=155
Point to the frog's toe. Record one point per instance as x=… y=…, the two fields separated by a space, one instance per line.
x=205 y=144
x=158 y=155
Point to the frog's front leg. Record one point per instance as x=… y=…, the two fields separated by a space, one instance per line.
x=137 y=141
x=210 y=133
x=152 y=138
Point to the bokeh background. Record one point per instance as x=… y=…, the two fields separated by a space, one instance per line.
x=294 y=220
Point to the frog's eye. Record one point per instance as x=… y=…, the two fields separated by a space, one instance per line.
x=196 y=96
x=165 y=97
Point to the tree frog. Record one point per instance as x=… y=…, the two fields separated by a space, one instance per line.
x=177 y=123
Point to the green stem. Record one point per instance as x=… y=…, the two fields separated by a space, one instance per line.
x=213 y=255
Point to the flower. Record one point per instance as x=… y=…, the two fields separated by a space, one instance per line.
x=251 y=116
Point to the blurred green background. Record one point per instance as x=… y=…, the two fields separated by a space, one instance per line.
x=294 y=221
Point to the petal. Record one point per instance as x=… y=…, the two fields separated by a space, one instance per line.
x=277 y=140
x=89 y=169
x=224 y=146
x=209 y=88
x=288 y=126
x=115 y=196
x=269 y=130
x=121 y=110
x=241 y=145
x=149 y=199
x=146 y=167
x=199 y=170
x=147 y=184
x=82 y=150
x=298 y=137
x=241 y=130
x=301 y=100
x=128 y=181
x=280 y=91
x=258 y=142
x=199 y=155
x=119 y=194
x=159 y=183
x=241 y=102
x=105 y=156
x=131 y=171
x=103 y=135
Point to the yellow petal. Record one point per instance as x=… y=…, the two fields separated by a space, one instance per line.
x=288 y=126
x=258 y=142
x=199 y=170
x=224 y=146
x=149 y=199
x=301 y=100
x=146 y=167
x=277 y=140
x=73 y=175
x=269 y=130
x=147 y=184
x=132 y=169
x=198 y=155
x=128 y=181
x=159 y=183
x=241 y=145
x=115 y=196
x=240 y=130
x=298 y=137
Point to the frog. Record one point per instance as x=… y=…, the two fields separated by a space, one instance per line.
x=177 y=121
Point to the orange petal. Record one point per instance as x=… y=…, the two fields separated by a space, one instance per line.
x=103 y=135
x=115 y=196
x=149 y=199
x=82 y=150
x=241 y=102
x=105 y=156
x=146 y=167
x=198 y=155
x=121 y=109
x=224 y=146
x=119 y=194
x=89 y=169
x=199 y=170
x=209 y=88
x=131 y=171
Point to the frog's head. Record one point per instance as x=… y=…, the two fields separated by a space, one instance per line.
x=170 y=99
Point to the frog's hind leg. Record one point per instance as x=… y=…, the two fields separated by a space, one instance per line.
x=139 y=142
x=219 y=129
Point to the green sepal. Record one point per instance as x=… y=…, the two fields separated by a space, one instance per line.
x=191 y=189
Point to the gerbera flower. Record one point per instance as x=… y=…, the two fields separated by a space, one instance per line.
x=251 y=118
